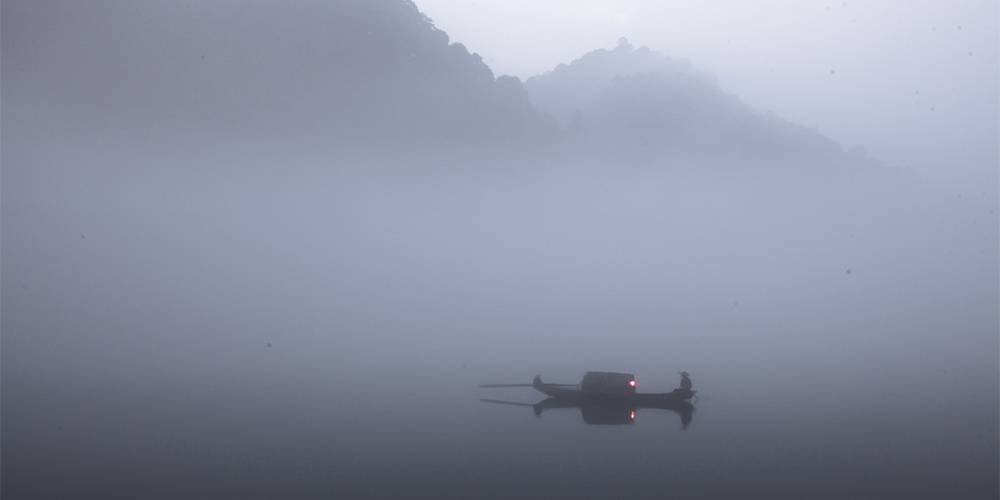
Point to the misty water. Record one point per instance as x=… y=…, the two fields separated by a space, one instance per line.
x=246 y=320
x=273 y=250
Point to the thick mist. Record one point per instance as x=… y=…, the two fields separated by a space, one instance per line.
x=255 y=281
x=198 y=299
x=142 y=257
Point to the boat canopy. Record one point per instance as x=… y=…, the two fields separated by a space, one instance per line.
x=607 y=382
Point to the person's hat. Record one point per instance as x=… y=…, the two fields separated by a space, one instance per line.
x=684 y=374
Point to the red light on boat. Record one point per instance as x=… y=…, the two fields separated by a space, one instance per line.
x=631 y=382
x=632 y=417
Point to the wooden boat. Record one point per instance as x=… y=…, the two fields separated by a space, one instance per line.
x=598 y=386
x=604 y=398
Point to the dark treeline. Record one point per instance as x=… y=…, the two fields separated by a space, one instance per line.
x=367 y=72
x=353 y=70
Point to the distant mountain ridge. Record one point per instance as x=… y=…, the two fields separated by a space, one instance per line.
x=361 y=72
x=638 y=99
x=356 y=68
x=568 y=87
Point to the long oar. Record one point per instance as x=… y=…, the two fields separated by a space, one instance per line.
x=494 y=386
x=499 y=402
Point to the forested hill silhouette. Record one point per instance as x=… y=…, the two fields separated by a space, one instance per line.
x=372 y=69
x=641 y=103
x=568 y=87
x=361 y=72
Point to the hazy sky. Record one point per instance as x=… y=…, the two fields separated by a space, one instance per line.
x=915 y=82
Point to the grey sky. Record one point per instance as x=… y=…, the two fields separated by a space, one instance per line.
x=855 y=70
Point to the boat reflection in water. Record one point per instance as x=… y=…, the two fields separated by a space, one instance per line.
x=604 y=399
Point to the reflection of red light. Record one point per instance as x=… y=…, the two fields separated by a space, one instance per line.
x=632 y=417
x=631 y=382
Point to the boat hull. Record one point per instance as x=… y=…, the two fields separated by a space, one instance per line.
x=596 y=397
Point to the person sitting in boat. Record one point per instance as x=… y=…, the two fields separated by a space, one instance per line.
x=685 y=381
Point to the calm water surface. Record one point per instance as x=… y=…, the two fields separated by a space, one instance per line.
x=428 y=435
